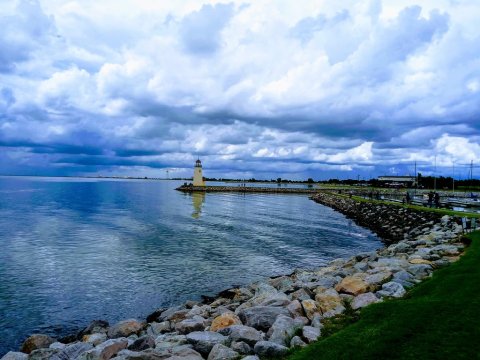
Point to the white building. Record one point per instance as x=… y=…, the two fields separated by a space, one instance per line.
x=198 y=175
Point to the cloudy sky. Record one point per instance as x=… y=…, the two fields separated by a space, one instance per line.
x=262 y=88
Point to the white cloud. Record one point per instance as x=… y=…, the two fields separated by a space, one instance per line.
x=245 y=83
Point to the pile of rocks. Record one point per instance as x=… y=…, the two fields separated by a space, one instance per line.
x=391 y=223
x=267 y=318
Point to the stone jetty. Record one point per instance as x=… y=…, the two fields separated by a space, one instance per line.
x=265 y=319
x=246 y=189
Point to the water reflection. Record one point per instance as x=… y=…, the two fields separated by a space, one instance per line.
x=198 y=198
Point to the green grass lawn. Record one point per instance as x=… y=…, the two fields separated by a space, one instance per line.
x=439 y=319
x=440 y=211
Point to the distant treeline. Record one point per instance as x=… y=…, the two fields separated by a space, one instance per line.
x=425 y=182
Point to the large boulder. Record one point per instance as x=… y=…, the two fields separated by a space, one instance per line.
x=374 y=281
x=241 y=347
x=125 y=328
x=95 y=339
x=204 y=341
x=261 y=317
x=270 y=349
x=221 y=352
x=106 y=350
x=72 y=351
x=310 y=308
x=143 y=343
x=352 y=285
x=295 y=308
x=329 y=301
x=197 y=323
x=242 y=333
x=42 y=354
x=363 y=300
x=170 y=341
x=225 y=320
x=95 y=327
x=283 y=330
x=310 y=333
x=392 y=289
x=159 y=328
x=14 y=355
x=36 y=341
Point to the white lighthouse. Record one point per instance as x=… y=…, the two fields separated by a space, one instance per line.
x=197 y=174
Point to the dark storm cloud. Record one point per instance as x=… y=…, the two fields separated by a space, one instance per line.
x=263 y=88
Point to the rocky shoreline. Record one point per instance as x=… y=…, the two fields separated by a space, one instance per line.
x=267 y=318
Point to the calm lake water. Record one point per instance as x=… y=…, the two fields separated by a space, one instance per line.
x=74 y=250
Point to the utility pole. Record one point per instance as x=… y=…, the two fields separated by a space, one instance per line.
x=416 y=178
x=435 y=175
x=453 y=179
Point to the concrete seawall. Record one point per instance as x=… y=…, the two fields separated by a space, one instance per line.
x=246 y=189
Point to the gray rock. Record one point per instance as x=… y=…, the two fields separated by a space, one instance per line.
x=174 y=314
x=143 y=343
x=281 y=283
x=316 y=321
x=203 y=311
x=375 y=280
x=392 y=289
x=105 y=350
x=243 y=333
x=204 y=341
x=159 y=328
x=170 y=341
x=363 y=300
x=420 y=271
x=401 y=247
x=72 y=351
x=197 y=323
x=310 y=333
x=324 y=282
x=241 y=347
x=221 y=352
x=58 y=346
x=297 y=342
x=261 y=317
x=302 y=294
x=42 y=354
x=283 y=330
x=14 y=355
x=96 y=326
x=251 y=357
x=269 y=349
x=445 y=250
x=295 y=308
x=185 y=353
x=361 y=266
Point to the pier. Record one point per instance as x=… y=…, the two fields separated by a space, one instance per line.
x=246 y=189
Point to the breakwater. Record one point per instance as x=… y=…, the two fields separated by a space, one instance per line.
x=245 y=189
x=391 y=223
x=264 y=319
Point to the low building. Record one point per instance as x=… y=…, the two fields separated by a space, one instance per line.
x=397 y=181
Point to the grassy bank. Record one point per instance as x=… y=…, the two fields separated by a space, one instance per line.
x=439 y=319
x=440 y=211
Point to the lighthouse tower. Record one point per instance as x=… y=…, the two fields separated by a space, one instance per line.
x=197 y=174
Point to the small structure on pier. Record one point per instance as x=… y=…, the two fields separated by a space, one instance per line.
x=198 y=179
x=396 y=181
